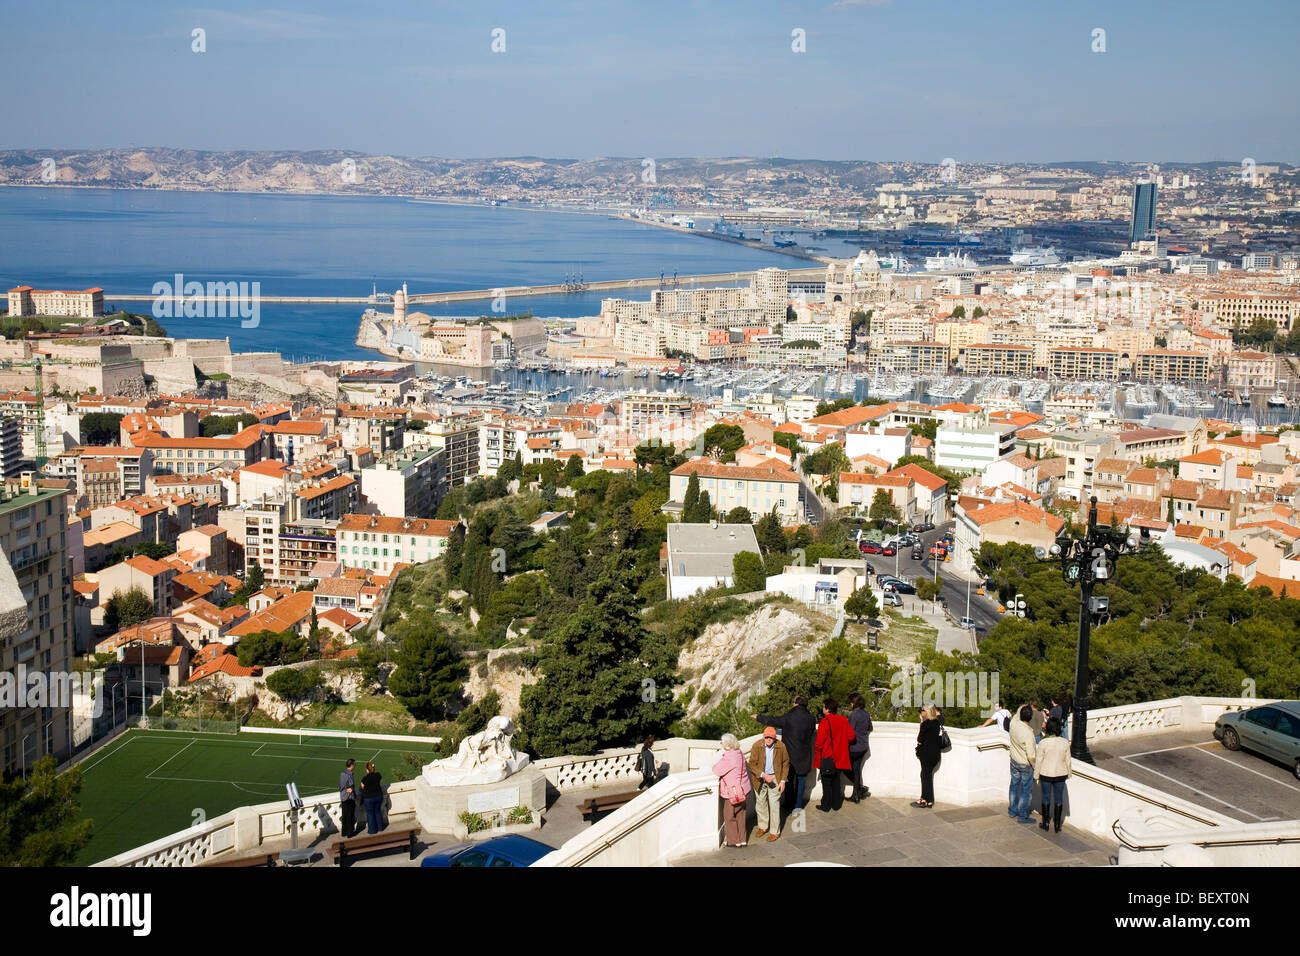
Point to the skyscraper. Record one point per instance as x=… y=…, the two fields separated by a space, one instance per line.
x=1144 y=212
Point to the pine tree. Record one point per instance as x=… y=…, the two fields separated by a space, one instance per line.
x=691 y=503
x=606 y=681
x=429 y=673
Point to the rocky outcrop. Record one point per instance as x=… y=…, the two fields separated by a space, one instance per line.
x=502 y=671
x=740 y=655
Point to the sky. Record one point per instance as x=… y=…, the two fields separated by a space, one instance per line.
x=880 y=80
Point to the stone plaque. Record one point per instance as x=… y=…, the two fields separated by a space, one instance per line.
x=493 y=800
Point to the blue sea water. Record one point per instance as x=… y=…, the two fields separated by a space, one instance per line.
x=127 y=240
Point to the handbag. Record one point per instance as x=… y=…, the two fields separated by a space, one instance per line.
x=945 y=743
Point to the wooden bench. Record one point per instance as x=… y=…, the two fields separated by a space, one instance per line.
x=594 y=806
x=266 y=859
x=395 y=839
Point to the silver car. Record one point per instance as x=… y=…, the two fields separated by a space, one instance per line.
x=1272 y=730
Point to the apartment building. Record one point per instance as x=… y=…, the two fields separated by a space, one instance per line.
x=1015 y=361
x=382 y=429
x=973 y=449
x=195 y=456
x=380 y=543
x=912 y=358
x=1083 y=363
x=456 y=437
x=409 y=485
x=35 y=579
x=286 y=547
x=1166 y=365
x=759 y=488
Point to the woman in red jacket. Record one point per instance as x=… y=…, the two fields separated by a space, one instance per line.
x=831 y=755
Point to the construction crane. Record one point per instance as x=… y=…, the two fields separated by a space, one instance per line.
x=40 y=419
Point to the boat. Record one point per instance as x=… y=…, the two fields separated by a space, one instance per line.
x=1277 y=400
x=726 y=229
x=1035 y=256
x=783 y=242
x=949 y=263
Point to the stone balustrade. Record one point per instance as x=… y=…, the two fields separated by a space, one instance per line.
x=680 y=814
x=1151 y=838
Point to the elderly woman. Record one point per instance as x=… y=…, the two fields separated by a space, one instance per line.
x=733 y=789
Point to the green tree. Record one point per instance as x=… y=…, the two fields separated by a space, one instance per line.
x=747 y=572
x=739 y=515
x=929 y=589
x=127 y=609
x=266 y=648
x=572 y=469
x=101 y=428
x=39 y=817
x=959 y=312
x=883 y=510
x=428 y=675
x=512 y=468
x=605 y=680
x=723 y=441
x=294 y=685
x=788 y=440
x=862 y=603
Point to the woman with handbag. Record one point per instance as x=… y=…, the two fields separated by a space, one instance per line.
x=831 y=753
x=929 y=745
x=733 y=789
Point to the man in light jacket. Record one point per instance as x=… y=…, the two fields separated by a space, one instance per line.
x=797 y=728
x=769 y=767
x=1024 y=752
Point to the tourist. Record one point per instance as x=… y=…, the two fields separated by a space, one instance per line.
x=769 y=766
x=928 y=749
x=373 y=796
x=832 y=755
x=1037 y=720
x=860 y=749
x=1024 y=758
x=1001 y=718
x=733 y=789
x=647 y=764
x=348 y=799
x=1067 y=707
x=797 y=727
x=1051 y=771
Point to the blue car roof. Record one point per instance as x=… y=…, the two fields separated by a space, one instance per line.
x=515 y=847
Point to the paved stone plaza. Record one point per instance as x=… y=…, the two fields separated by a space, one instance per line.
x=889 y=832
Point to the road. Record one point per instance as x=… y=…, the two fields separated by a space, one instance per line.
x=983 y=608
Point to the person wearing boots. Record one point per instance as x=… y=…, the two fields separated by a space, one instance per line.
x=1051 y=770
x=860 y=749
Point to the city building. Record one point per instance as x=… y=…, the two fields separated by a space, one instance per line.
x=381 y=543
x=1143 y=225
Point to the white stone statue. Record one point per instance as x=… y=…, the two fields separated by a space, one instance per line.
x=485 y=757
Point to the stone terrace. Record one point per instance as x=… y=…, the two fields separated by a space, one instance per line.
x=888 y=832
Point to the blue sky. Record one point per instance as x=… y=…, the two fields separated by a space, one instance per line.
x=879 y=79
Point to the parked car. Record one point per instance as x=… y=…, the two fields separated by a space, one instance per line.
x=889 y=551
x=923 y=527
x=870 y=547
x=917 y=554
x=897 y=584
x=968 y=623
x=513 y=849
x=1271 y=731
x=892 y=599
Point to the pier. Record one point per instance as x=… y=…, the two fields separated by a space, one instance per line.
x=473 y=295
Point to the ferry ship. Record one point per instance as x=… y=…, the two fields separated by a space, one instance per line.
x=1035 y=256
x=949 y=263
x=724 y=228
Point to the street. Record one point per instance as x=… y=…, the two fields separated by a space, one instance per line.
x=983 y=608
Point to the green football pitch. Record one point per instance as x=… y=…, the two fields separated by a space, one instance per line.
x=148 y=784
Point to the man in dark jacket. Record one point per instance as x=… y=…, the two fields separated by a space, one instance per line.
x=797 y=729
x=348 y=799
x=860 y=749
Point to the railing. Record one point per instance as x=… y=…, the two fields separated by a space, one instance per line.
x=679 y=815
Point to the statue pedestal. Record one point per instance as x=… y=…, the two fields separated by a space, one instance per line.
x=439 y=808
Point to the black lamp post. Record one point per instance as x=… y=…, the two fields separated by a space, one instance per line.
x=1086 y=561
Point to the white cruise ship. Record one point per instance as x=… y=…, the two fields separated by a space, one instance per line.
x=1035 y=256
x=949 y=263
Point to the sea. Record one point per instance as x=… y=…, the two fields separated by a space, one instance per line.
x=127 y=240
